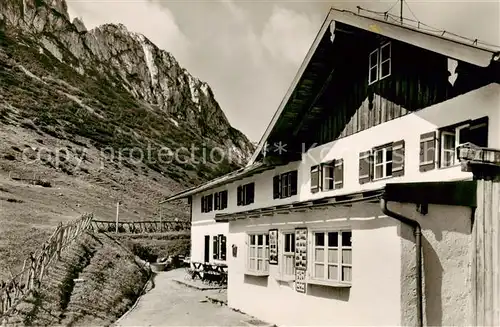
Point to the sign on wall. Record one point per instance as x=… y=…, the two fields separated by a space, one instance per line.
x=273 y=247
x=301 y=248
x=300 y=280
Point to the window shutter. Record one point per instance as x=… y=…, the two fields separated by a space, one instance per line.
x=224 y=200
x=276 y=187
x=216 y=201
x=202 y=204
x=398 y=158
x=314 y=179
x=338 y=173
x=210 y=200
x=294 y=181
x=215 y=245
x=222 y=247
x=251 y=193
x=365 y=169
x=239 y=192
x=427 y=151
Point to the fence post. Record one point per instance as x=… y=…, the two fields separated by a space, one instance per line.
x=117 y=214
x=161 y=214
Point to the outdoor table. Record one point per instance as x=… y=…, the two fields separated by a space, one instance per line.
x=197 y=269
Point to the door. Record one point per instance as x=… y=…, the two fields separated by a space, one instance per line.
x=207 y=248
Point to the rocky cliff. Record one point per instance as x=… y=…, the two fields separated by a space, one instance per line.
x=126 y=62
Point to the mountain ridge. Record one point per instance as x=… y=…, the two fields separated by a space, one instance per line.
x=89 y=119
x=129 y=59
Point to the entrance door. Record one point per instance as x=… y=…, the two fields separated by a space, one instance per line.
x=207 y=248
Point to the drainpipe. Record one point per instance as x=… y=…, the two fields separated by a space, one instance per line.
x=418 y=243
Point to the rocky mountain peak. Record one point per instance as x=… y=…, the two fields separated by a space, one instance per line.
x=128 y=60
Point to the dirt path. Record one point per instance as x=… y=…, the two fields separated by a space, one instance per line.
x=172 y=304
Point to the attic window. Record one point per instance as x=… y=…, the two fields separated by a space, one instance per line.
x=379 y=63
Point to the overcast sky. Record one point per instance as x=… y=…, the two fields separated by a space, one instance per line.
x=249 y=51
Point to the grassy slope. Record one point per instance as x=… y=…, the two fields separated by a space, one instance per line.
x=111 y=282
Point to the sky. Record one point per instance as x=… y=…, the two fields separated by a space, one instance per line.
x=249 y=51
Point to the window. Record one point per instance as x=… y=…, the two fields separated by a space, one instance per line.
x=475 y=132
x=332 y=256
x=258 y=253
x=383 y=162
x=285 y=185
x=219 y=247
x=333 y=175
x=246 y=194
x=288 y=261
x=206 y=203
x=379 y=66
x=220 y=200
x=373 y=68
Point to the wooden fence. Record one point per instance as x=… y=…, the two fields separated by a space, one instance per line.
x=31 y=275
x=137 y=227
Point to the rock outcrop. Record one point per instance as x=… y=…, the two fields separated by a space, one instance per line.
x=127 y=60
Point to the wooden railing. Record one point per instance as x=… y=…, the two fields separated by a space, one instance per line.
x=137 y=227
x=32 y=273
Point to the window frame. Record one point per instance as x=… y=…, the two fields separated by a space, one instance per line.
x=455 y=132
x=283 y=254
x=287 y=184
x=265 y=259
x=244 y=193
x=326 y=180
x=339 y=264
x=376 y=66
x=384 y=162
x=218 y=202
x=379 y=61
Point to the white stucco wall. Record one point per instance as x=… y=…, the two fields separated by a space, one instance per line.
x=373 y=299
x=473 y=105
x=446 y=253
x=383 y=276
x=198 y=232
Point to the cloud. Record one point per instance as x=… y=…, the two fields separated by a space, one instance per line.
x=146 y=17
x=288 y=34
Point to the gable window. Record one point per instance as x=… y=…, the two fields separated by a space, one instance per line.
x=206 y=203
x=379 y=63
x=220 y=200
x=332 y=256
x=258 y=253
x=475 y=132
x=285 y=185
x=382 y=162
x=288 y=266
x=219 y=247
x=246 y=194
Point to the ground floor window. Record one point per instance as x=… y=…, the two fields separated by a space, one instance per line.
x=332 y=256
x=258 y=252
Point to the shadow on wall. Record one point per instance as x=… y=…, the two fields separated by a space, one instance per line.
x=340 y=294
x=256 y=280
x=433 y=281
x=446 y=237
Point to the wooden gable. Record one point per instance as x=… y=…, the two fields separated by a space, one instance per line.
x=335 y=100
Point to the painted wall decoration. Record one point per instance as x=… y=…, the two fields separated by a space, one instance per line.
x=300 y=281
x=273 y=247
x=301 y=248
